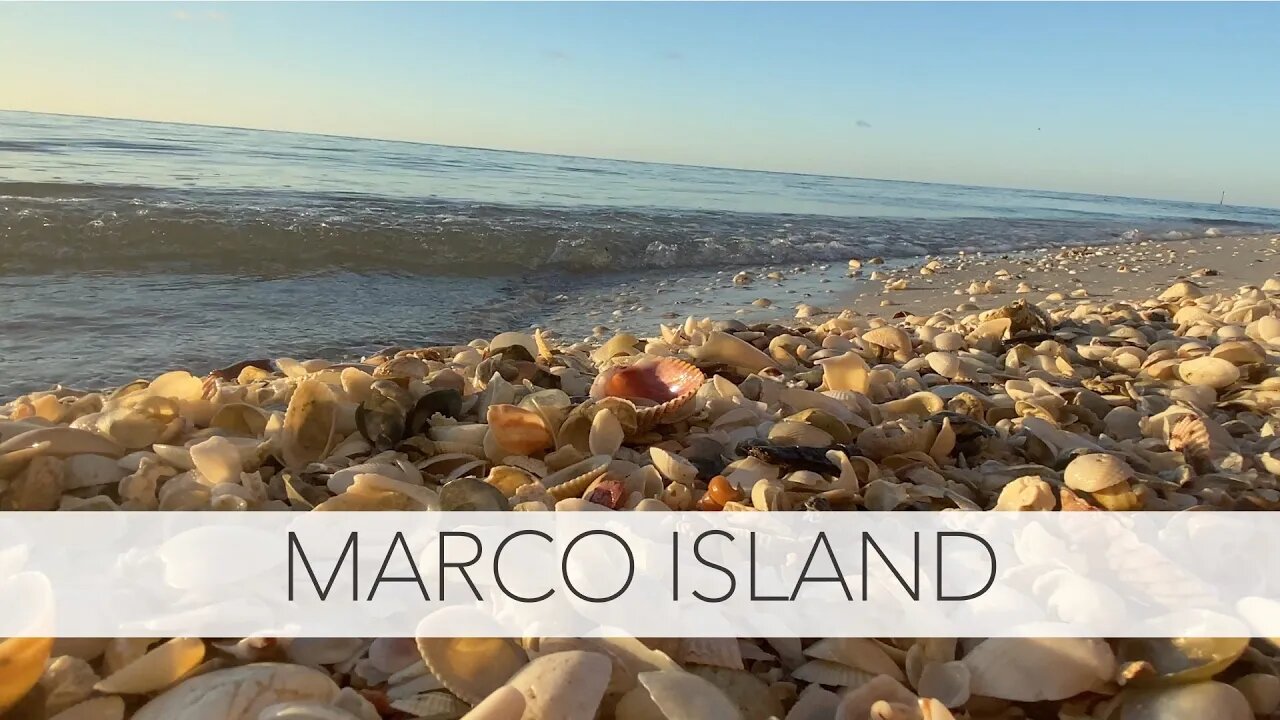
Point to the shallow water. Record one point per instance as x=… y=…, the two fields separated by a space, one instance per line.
x=127 y=248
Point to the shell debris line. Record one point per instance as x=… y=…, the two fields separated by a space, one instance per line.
x=1165 y=403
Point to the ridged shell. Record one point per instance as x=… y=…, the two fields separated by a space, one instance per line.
x=720 y=652
x=565 y=685
x=471 y=668
x=834 y=674
x=573 y=480
x=1037 y=669
x=239 y=693
x=658 y=387
x=1091 y=473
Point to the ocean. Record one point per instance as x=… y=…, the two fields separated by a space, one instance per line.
x=128 y=248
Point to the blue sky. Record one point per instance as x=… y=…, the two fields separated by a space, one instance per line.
x=1176 y=100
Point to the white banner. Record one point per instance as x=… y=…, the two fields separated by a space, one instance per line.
x=644 y=574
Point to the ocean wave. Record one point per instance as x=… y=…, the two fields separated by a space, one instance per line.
x=138 y=229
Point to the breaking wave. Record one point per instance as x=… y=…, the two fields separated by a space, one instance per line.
x=51 y=227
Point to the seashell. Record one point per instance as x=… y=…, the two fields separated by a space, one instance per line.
x=565 y=685
x=156 y=670
x=239 y=693
x=62 y=442
x=890 y=341
x=945 y=364
x=240 y=419
x=719 y=652
x=675 y=695
x=919 y=404
x=518 y=346
x=571 y=481
x=672 y=466
x=1037 y=669
x=1213 y=372
x=1197 y=701
x=315 y=652
x=814 y=703
x=754 y=699
x=895 y=438
x=857 y=653
x=1181 y=290
x=1261 y=690
x=621 y=344
x=606 y=434
x=826 y=672
x=308 y=424
x=1180 y=660
x=1028 y=492
x=216 y=460
x=846 y=372
x=21 y=665
x=306 y=711
x=858 y=703
x=1099 y=471
x=658 y=387
x=67 y=680
x=769 y=494
x=517 y=431
x=721 y=348
x=802 y=434
x=471 y=668
x=38 y=488
x=471 y=494
x=101 y=708
x=947 y=682
x=504 y=703
x=507 y=478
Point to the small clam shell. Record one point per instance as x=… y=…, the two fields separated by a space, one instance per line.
x=857 y=653
x=1091 y=473
x=1181 y=660
x=1198 y=701
x=1211 y=371
x=834 y=674
x=518 y=431
x=565 y=685
x=572 y=481
x=1037 y=669
x=240 y=419
x=676 y=695
x=672 y=466
x=239 y=693
x=308 y=424
x=62 y=442
x=305 y=711
x=471 y=668
x=720 y=652
x=895 y=438
x=1026 y=493
x=802 y=434
x=504 y=703
x=846 y=372
x=471 y=494
x=156 y=670
x=606 y=434
x=890 y=341
x=947 y=682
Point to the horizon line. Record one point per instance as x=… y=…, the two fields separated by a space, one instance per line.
x=626 y=160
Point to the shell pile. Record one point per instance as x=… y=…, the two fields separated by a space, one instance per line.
x=1163 y=404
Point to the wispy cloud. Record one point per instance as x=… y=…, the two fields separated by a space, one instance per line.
x=555 y=55
x=863 y=124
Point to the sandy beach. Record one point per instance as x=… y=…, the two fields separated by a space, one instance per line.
x=1138 y=376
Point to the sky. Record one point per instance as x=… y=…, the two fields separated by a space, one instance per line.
x=1177 y=101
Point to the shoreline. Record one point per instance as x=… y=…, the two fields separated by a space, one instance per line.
x=1151 y=394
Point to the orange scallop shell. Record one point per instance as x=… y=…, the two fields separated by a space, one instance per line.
x=658 y=386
